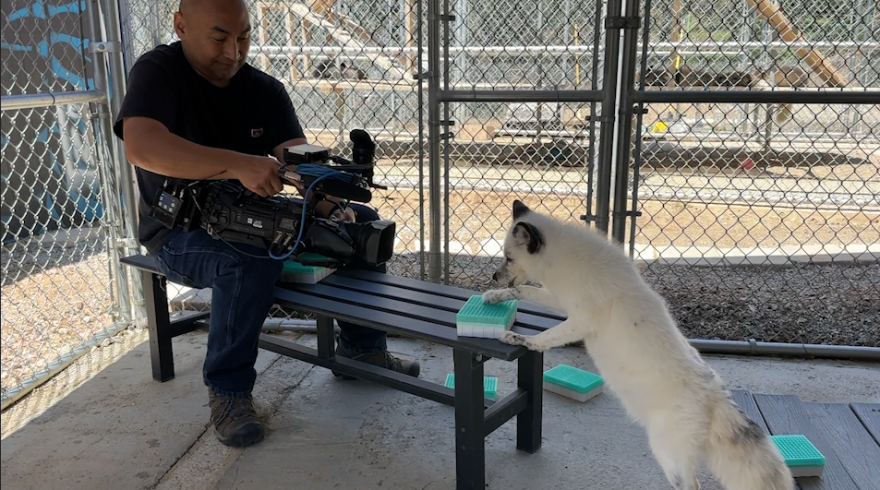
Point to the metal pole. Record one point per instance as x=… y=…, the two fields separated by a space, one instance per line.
x=113 y=218
x=434 y=139
x=446 y=136
x=594 y=84
x=637 y=151
x=117 y=81
x=50 y=99
x=606 y=125
x=625 y=122
x=418 y=71
x=860 y=96
x=503 y=95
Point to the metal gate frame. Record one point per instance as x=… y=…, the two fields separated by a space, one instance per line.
x=440 y=96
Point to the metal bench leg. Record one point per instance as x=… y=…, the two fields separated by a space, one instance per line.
x=324 y=326
x=470 y=449
x=528 y=422
x=159 y=322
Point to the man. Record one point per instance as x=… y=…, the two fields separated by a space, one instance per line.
x=196 y=110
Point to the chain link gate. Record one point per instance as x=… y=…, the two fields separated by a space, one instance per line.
x=64 y=219
x=521 y=104
x=754 y=170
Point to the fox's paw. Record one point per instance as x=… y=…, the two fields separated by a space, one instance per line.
x=499 y=296
x=512 y=338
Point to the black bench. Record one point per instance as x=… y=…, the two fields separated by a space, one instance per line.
x=407 y=307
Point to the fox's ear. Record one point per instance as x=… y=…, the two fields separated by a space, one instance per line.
x=519 y=209
x=526 y=235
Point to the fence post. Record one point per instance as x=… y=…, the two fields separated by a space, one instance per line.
x=114 y=222
x=434 y=212
x=606 y=120
x=116 y=92
x=630 y=25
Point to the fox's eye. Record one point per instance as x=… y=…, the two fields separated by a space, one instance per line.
x=509 y=260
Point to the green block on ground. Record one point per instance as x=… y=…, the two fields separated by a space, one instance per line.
x=490 y=385
x=572 y=382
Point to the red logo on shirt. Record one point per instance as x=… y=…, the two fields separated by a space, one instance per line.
x=256 y=133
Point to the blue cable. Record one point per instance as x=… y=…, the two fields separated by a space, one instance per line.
x=313 y=171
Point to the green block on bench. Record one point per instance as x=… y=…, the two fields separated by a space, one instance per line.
x=490 y=385
x=295 y=272
x=800 y=455
x=477 y=319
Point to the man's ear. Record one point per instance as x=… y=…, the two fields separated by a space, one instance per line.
x=179 y=25
x=526 y=235
x=519 y=209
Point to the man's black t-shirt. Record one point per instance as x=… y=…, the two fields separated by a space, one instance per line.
x=253 y=114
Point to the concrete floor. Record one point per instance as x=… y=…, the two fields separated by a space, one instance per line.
x=118 y=429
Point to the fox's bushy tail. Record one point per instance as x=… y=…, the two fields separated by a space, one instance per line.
x=741 y=455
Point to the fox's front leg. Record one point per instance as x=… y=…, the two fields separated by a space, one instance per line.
x=562 y=334
x=539 y=296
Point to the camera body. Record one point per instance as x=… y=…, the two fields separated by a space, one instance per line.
x=286 y=227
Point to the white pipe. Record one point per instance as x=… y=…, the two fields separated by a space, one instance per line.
x=707 y=47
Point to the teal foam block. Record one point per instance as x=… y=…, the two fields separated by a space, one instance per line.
x=295 y=272
x=573 y=383
x=800 y=455
x=490 y=385
x=477 y=319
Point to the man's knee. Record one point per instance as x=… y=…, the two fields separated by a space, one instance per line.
x=364 y=213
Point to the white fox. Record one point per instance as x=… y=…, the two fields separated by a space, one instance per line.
x=645 y=360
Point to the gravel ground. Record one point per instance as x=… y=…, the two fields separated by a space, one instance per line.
x=54 y=298
x=834 y=304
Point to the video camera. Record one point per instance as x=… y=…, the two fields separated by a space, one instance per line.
x=286 y=227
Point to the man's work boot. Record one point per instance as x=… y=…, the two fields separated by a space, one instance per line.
x=235 y=421
x=382 y=359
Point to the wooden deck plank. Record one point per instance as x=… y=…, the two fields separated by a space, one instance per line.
x=747 y=403
x=858 y=451
x=869 y=415
x=785 y=414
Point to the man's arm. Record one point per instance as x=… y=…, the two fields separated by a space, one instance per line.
x=149 y=145
x=147 y=114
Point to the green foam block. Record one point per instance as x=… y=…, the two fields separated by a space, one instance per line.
x=490 y=385
x=800 y=455
x=296 y=272
x=572 y=382
x=477 y=319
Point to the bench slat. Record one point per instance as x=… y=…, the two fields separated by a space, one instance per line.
x=443 y=319
x=528 y=320
x=141 y=262
x=389 y=321
x=438 y=289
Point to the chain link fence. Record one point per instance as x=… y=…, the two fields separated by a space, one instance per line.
x=61 y=291
x=756 y=218
x=760 y=212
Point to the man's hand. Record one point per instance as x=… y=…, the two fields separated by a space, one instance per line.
x=347 y=216
x=259 y=174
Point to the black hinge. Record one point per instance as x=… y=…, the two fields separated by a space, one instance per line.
x=600 y=119
x=623 y=22
x=589 y=218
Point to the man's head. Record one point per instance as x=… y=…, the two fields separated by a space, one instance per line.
x=215 y=36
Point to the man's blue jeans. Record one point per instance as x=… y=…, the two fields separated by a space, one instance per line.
x=241 y=296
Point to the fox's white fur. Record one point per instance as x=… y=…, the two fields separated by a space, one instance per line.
x=636 y=345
